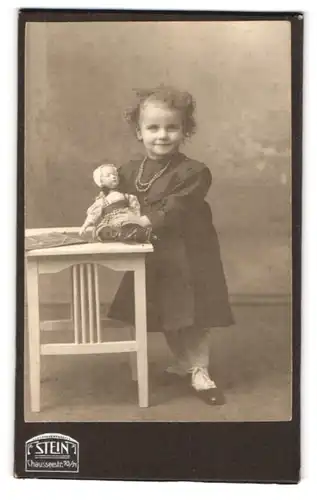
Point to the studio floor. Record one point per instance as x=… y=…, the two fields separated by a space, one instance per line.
x=251 y=361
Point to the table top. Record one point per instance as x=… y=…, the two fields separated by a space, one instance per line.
x=42 y=230
x=105 y=248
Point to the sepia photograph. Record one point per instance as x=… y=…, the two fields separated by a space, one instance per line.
x=158 y=221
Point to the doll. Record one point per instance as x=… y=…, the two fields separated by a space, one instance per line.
x=115 y=215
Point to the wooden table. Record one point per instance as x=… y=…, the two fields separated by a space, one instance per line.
x=84 y=259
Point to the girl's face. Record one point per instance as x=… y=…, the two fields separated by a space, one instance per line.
x=160 y=129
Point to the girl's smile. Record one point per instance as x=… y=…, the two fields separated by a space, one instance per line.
x=160 y=129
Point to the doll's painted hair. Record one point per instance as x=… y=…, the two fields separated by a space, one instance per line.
x=172 y=98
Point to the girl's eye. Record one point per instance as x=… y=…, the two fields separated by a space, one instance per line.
x=152 y=127
x=173 y=127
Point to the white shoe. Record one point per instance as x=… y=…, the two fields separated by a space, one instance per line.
x=201 y=380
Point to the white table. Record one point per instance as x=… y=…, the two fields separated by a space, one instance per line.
x=84 y=259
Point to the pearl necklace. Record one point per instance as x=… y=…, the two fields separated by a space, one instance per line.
x=142 y=187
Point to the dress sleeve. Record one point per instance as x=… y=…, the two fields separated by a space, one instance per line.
x=94 y=212
x=188 y=193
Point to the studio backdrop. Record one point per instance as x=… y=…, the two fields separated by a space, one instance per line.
x=79 y=81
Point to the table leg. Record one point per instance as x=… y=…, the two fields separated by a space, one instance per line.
x=141 y=333
x=72 y=319
x=34 y=333
x=76 y=301
x=132 y=357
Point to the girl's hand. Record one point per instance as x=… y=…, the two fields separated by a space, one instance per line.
x=135 y=219
x=145 y=221
x=130 y=218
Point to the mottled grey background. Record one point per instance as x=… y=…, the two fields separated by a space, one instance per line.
x=79 y=80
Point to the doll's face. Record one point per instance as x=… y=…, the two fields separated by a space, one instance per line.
x=109 y=177
x=160 y=129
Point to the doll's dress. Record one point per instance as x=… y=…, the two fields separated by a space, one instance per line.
x=111 y=226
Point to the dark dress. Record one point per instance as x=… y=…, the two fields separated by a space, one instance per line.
x=185 y=281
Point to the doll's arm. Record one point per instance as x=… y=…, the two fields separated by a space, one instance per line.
x=94 y=214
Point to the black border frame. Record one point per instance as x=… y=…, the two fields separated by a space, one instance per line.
x=257 y=452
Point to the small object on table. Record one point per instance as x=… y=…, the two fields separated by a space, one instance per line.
x=52 y=239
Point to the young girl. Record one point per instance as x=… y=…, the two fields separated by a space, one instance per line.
x=186 y=288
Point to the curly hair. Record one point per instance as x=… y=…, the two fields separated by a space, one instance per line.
x=172 y=98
